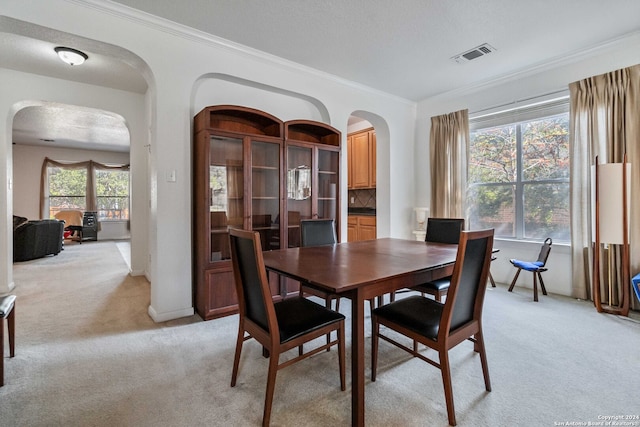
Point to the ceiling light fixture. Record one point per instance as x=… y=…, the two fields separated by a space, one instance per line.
x=71 y=56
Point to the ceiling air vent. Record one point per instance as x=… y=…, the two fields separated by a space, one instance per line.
x=474 y=53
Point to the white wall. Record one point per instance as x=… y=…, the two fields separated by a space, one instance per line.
x=538 y=81
x=180 y=88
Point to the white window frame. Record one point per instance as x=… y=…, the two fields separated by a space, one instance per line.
x=517 y=114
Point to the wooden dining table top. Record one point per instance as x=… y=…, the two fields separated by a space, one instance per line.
x=343 y=267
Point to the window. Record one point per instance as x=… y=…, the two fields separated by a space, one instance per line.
x=67 y=189
x=519 y=176
x=86 y=186
x=112 y=194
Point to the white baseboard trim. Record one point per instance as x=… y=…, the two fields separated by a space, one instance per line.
x=137 y=272
x=11 y=286
x=163 y=317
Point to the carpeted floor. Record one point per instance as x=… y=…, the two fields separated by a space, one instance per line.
x=87 y=354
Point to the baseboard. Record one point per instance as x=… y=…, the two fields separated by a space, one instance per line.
x=137 y=273
x=11 y=286
x=163 y=317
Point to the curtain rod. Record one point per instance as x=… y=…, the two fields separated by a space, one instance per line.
x=514 y=104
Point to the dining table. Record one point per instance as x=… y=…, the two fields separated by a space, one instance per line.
x=361 y=271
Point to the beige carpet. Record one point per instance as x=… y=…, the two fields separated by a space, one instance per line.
x=88 y=354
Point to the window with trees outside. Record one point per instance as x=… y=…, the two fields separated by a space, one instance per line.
x=518 y=178
x=87 y=186
x=67 y=189
x=112 y=194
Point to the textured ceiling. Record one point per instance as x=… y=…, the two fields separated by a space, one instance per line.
x=405 y=47
x=59 y=125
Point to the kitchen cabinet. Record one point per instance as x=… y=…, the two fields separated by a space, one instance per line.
x=361 y=150
x=361 y=227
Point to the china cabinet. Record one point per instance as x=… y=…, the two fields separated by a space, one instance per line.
x=255 y=172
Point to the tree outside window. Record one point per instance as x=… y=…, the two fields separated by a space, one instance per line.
x=67 y=189
x=519 y=179
x=112 y=194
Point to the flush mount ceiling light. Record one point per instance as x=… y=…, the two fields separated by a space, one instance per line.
x=71 y=56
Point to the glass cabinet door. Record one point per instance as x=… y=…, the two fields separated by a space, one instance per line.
x=226 y=193
x=299 y=188
x=265 y=192
x=327 y=184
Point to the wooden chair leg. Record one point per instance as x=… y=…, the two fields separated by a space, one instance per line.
x=11 y=320
x=493 y=282
x=483 y=360
x=544 y=290
x=375 y=330
x=341 y=358
x=236 y=359
x=448 y=388
x=1 y=351
x=513 y=282
x=327 y=304
x=271 y=386
x=535 y=287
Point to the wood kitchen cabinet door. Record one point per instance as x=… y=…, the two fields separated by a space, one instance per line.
x=360 y=160
x=361 y=150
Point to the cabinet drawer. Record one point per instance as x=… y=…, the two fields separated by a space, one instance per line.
x=367 y=220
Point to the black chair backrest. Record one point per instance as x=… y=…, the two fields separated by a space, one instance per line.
x=444 y=230
x=250 y=276
x=317 y=232
x=466 y=292
x=544 y=251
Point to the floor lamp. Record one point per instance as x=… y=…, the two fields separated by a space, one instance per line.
x=612 y=202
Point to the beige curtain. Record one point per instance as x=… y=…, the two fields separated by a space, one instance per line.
x=449 y=142
x=605 y=122
x=90 y=191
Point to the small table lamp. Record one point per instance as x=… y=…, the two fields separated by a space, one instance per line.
x=421 y=219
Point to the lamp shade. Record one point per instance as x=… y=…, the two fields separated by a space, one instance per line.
x=421 y=216
x=610 y=189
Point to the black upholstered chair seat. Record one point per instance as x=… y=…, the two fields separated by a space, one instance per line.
x=418 y=314
x=436 y=285
x=299 y=316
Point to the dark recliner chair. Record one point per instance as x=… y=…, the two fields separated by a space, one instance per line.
x=36 y=239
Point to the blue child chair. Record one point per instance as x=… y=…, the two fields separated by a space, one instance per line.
x=536 y=267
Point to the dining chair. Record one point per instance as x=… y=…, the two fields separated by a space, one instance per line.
x=318 y=232
x=7 y=311
x=536 y=267
x=442 y=326
x=441 y=230
x=280 y=326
